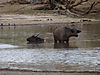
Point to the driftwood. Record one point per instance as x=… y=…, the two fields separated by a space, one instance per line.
x=68 y=5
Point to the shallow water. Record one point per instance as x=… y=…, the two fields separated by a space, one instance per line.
x=83 y=53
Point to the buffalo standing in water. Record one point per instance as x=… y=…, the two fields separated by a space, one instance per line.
x=63 y=34
x=35 y=39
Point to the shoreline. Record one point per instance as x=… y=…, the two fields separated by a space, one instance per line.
x=51 y=24
x=11 y=20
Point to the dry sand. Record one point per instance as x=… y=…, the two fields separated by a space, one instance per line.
x=35 y=19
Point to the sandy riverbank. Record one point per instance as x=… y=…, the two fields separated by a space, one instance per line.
x=35 y=19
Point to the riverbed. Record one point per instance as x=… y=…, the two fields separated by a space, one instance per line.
x=82 y=54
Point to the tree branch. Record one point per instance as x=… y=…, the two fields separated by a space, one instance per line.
x=79 y=3
x=80 y=12
x=91 y=7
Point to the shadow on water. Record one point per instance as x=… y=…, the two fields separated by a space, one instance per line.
x=61 y=45
x=49 y=45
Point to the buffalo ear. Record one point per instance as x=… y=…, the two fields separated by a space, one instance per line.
x=78 y=31
x=72 y=30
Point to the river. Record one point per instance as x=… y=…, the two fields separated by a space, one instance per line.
x=83 y=53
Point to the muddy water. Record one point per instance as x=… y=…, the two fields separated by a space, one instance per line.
x=83 y=53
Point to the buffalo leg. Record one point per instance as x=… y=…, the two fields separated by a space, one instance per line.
x=55 y=41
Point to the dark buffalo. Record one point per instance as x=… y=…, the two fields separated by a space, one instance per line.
x=35 y=39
